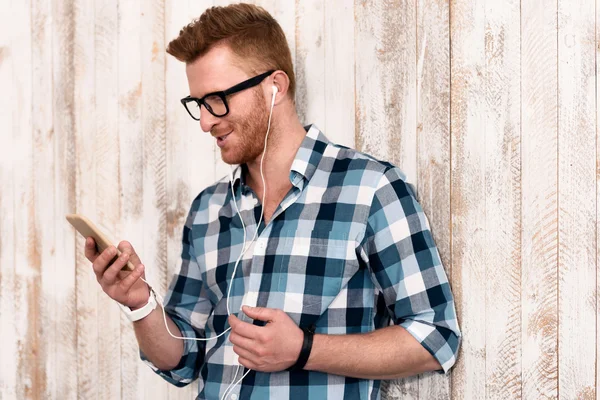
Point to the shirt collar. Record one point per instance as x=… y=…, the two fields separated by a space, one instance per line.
x=309 y=154
x=305 y=162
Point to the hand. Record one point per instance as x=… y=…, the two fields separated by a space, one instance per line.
x=273 y=347
x=124 y=287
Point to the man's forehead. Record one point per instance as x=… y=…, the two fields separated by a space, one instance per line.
x=216 y=70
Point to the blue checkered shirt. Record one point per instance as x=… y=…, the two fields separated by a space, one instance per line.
x=348 y=250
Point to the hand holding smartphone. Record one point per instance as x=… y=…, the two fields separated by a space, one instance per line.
x=87 y=228
x=119 y=272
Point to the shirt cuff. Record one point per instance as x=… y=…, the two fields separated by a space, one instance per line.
x=442 y=343
x=186 y=371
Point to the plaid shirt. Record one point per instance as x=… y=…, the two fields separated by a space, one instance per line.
x=348 y=250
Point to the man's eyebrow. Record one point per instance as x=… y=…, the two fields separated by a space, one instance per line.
x=207 y=92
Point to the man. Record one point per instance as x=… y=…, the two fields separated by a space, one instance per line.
x=342 y=248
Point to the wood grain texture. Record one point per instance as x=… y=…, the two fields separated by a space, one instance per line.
x=340 y=115
x=108 y=212
x=576 y=200
x=539 y=147
x=63 y=117
x=597 y=71
x=310 y=65
x=88 y=383
x=433 y=142
x=43 y=182
x=154 y=160
x=134 y=374
x=31 y=379
x=385 y=67
x=503 y=200
x=468 y=194
x=8 y=336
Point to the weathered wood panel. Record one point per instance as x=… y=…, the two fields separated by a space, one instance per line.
x=576 y=200
x=467 y=193
x=108 y=211
x=539 y=210
x=154 y=139
x=129 y=182
x=86 y=179
x=43 y=182
x=8 y=158
x=65 y=194
x=433 y=145
x=502 y=200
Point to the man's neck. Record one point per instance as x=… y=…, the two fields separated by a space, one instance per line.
x=282 y=147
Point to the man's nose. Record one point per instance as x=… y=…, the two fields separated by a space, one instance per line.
x=207 y=120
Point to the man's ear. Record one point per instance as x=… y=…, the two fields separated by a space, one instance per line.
x=282 y=82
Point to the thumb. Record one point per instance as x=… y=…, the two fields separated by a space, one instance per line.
x=259 y=313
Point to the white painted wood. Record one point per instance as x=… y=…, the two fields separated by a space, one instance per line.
x=340 y=114
x=154 y=160
x=43 y=182
x=597 y=71
x=64 y=192
x=539 y=210
x=9 y=27
x=433 y=143
x=385 y=68
x=385 y=85
x=107 y=171
x=135 y=375
x=310 y=63
x=468 y=194
x=31 y=379
x=83 y=68
x=503 y=200
x=576 y=200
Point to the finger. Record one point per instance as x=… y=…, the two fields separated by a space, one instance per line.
x=261 y=313
x=244 y=343
x=103 y=260
x=243 y=353
x=91 y=252
x=247 y=363
x=244 y=328
x=127 y=282
x=110 y=275
x=125 y=246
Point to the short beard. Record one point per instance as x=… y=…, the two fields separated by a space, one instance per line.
x=251 y=133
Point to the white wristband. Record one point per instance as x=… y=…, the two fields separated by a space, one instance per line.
x=136 y=315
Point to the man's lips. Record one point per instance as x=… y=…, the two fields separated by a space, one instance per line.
x=223 y=136
x=221 y=140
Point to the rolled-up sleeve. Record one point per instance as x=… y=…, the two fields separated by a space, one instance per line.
x=186 y=302
x=406 y=268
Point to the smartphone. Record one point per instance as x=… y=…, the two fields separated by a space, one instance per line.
x=87 y=228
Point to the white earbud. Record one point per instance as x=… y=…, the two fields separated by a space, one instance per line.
x=274 y=94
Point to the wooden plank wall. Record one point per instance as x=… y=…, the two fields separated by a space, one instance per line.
x=489 y=107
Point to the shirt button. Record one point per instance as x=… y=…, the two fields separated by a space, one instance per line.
x=233 y=396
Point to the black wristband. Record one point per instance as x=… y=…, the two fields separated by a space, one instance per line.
x=309 y=334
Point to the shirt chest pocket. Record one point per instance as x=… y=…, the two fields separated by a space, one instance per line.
x=312 y=265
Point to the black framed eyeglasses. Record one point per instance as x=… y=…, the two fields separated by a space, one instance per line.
x=216 y=102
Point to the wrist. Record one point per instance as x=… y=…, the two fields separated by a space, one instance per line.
x=311 y=363
x=139 y=313
x=305 y=351
x=143 y=303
